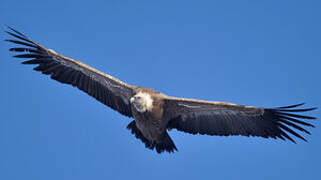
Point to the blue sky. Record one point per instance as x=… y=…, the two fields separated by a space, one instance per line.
x=263 y=53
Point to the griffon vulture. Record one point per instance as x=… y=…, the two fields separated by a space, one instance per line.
x=154 y=113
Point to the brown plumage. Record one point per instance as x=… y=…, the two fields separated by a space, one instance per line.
x=154 y=113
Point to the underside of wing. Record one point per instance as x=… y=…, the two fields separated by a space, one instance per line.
x=224 y=119
x=105 y=88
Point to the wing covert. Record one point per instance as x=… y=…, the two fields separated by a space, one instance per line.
x=103 y=87
x=225 y=119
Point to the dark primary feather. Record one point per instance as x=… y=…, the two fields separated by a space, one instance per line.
x=106 y=89
x=226 y=119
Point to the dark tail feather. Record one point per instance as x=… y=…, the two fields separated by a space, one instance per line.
x=165 y=145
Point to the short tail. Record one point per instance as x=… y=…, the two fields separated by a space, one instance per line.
x=165 y=145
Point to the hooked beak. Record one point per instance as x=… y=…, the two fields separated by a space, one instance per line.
x=132 y=99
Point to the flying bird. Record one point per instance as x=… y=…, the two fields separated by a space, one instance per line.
x=155 y=113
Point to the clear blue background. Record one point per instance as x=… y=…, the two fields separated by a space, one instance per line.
x=265 y=53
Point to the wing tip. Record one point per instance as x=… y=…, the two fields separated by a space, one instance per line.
x=14 y=30
x=291 y=106
x=288 y=116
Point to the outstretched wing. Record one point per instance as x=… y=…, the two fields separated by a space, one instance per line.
x=105 y=88
x=224 y=119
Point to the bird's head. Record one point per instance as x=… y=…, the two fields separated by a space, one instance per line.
x=142 y=102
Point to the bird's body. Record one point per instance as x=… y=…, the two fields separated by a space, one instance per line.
x=154 y=113
x=149 y=119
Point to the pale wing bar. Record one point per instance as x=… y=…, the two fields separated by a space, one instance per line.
x=224 y=119
x=106 y=89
